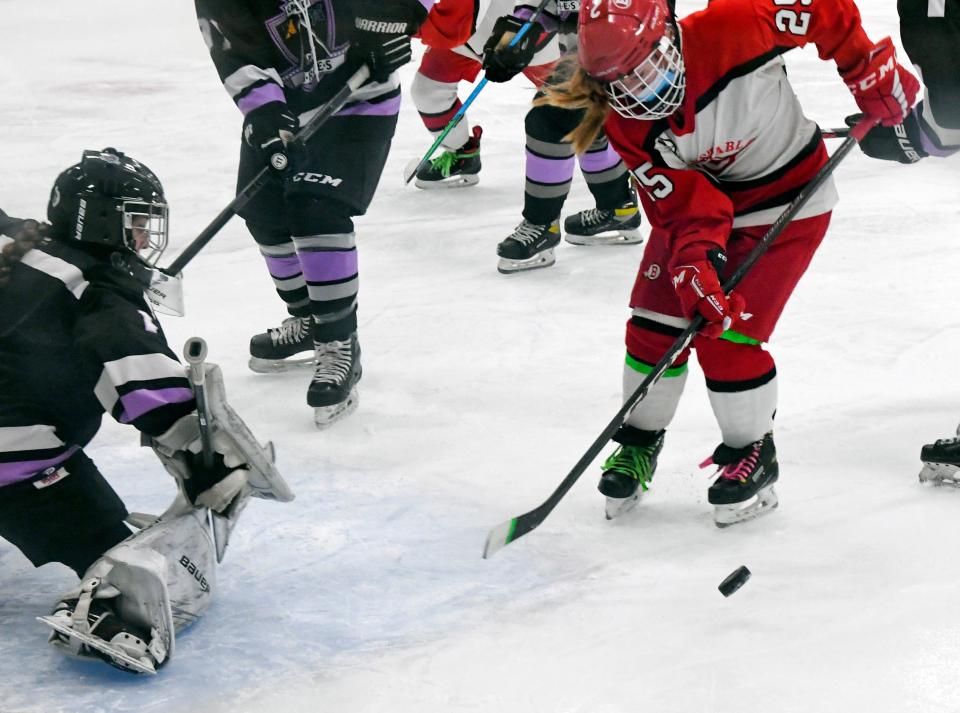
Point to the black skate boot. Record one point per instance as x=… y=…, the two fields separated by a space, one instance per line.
x=941 y=461
x=617 y=226
x=270 y=351
x=333 y=391
x=528 y=247
x=744 y=474
x=453 y=169
x=628 y=472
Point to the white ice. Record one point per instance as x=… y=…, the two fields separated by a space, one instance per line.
x=480 y=391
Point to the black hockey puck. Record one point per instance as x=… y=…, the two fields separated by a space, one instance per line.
x=734 y=580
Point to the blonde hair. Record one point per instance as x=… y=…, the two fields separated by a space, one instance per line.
x=578 y=90
x=28 y=236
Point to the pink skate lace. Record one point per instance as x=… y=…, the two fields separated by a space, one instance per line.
x=739 y=470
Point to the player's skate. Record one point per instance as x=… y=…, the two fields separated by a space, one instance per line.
x=617 y=226
x=628 y=472
x=280 y=348
x=941 y=461
x=529 y=247
x=743 y=489
x=453 y=169
x=333 y=391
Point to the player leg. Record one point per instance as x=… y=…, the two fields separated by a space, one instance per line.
x=289 y=345
x=653 y=328
x=336 y=181
x=434 y=92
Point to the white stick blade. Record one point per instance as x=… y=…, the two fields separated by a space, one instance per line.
x=410 y=170
x=498 y=538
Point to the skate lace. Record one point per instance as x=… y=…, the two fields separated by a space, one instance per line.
x=739 y=470
x=444 y=162
x=334 y=360
x=290 y=331
x=526 y=233
x=635 y=461
x=595 y=216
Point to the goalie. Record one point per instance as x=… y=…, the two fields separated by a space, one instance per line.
x=77 y=340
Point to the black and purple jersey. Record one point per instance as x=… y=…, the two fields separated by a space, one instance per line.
x=265 y=51
x=77 y=340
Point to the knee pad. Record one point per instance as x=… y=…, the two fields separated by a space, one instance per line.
x=550 y=124
x=319 y=216
x=647 y=342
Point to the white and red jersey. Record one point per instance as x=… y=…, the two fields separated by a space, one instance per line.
x=464 y=26
x=739 y=149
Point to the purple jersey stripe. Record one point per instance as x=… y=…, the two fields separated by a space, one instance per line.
x=283 y=267
x=25 y=469
x=329 y=265
x=263 y=94
x=138 y=402
x=932 y=149
x=599 y=160
x=384 y=108
x=549 y=170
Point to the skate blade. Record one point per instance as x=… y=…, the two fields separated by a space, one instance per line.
x=462 y=181
x=617 y=507
x=620 y=237
x=119 y=658
x=279 y=366
x=940 y=474
x=763 y=502
x=544 y=258
x=325 y=416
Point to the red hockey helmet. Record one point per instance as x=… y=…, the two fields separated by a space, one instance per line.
x=633 y=47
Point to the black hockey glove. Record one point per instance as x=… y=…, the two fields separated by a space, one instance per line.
x=502 y=63
x=901 y=143
x=381 y=35
x=269 y=130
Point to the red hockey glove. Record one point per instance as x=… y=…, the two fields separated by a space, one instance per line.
x=883 y=89
x=698 y=287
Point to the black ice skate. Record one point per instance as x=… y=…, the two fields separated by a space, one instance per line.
x=628 y=472
x=941 y=461
x=99 y=633
x=333 y=391
x=274 y=350
x=743 y=489
x=528 y=247
x=618 y=226
x=453 y=169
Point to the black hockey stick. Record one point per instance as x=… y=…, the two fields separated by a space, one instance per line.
x=506 y=532
x=335 y=104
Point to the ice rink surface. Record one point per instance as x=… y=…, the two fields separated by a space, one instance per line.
x=480 y=391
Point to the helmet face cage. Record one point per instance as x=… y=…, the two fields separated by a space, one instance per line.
x=654 y=89
x=145 y=228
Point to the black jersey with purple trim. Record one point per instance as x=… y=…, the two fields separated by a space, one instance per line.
x=265 y=52
x=78 y=339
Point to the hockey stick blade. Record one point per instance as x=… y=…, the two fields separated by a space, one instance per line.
x=410 y=170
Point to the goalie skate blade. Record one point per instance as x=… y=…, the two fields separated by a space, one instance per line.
x=279 y=366
x=119 y=658
x=763 y=502
x=461 y=181
x=620 y=237
x=325 y=416
x=616 y=507
x=940 y=474
x=541 y=259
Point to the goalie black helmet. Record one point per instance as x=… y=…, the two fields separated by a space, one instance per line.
x=112 y=200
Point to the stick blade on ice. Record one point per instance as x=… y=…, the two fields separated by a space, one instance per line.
x=410 y=170
x=499 y=537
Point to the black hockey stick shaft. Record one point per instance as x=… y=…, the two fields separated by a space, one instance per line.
x=195 y=353
x=335 y=104
x=507 y=532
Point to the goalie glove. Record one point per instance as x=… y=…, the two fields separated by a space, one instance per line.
x=212 y=486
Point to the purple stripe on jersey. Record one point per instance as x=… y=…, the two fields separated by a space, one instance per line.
x=138 y=402
x=599 y=160
x=549 y=170
x=384 y=108
x=283 y=267
x=25 y=469
x=263 y=94
x=328 y=265
x=932 y=149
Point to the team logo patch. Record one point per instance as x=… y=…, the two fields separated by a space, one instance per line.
x=50 y=476
x=622 y=4
x=652 y=272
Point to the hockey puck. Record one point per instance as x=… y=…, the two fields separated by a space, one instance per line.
x=734 y=580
